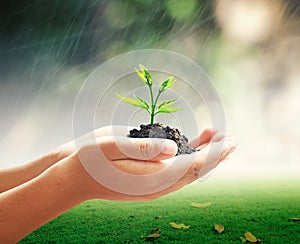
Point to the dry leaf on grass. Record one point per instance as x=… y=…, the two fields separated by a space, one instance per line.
x=251 y=238
x=155 y=230
x=294 y=219
x=179 y=226
x=200 y=205
x=219 y=228
x=155 y=233
x=151 y=237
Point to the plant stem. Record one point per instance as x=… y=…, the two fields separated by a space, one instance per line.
x=152 y=106
x=156 y=100
x=152 y=118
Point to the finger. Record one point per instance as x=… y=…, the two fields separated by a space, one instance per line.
x=215 y=138
x=205 y=137
x=216 y=152
x=150 y=149
x=216 y=155
x=70 y=147
x=138 y=167
x=205 y=160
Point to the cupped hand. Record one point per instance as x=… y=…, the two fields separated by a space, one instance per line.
x=144 y=157
x=68 y=148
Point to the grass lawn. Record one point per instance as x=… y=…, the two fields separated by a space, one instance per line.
x=262 y=207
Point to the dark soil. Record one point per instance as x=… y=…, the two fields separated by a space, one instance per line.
x=157 y=130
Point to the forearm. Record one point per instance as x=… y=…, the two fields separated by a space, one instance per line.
x=12 y=177
x=28 y=206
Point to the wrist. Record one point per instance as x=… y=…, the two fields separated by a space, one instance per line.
x=43 y=198
x=78 y=179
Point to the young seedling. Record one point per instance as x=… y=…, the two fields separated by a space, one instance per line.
x=154 y=107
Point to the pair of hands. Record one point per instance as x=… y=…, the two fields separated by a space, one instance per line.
x=35 y=193
x=136 y=156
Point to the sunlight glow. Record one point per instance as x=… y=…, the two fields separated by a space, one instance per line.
x=248 y=21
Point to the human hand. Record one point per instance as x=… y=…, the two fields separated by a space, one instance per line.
x=68 y=148
x=15 y=176
x=70 y=181
x=144 y=157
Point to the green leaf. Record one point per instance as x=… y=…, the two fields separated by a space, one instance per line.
x=168 y=109
x=167 y=84
x=141 y=75
x=148 y=77
x=142 y=101
x=133 y=101
x=145 y=75
x=142 y=68
x=166 y=103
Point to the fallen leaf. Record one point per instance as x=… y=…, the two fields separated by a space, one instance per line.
x=294 y=219
x=179 y=226
x=155 y=233
x=155 y=230
x=151 y=237
x=219 y=228
x=200 y=205
x=250 y=237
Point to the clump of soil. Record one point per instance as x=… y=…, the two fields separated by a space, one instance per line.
x=157 y=130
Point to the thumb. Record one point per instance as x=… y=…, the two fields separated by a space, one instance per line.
x=151 y=149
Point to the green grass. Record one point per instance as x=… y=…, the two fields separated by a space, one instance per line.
x=263 y=208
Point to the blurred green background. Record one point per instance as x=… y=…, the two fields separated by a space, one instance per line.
x=249 y=48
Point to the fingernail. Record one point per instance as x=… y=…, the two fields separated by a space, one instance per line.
x=168 y=148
